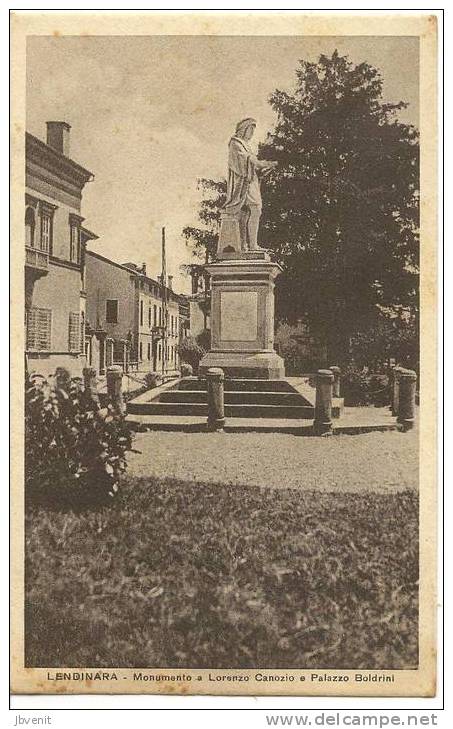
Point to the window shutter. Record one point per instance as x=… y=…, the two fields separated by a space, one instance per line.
x=74 y=332
x=111 y=311
x=39 y=325
x=45 y=232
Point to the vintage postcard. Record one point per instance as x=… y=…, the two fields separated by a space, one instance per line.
x=224 y=251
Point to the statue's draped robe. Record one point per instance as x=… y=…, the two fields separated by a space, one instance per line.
x=243 y=187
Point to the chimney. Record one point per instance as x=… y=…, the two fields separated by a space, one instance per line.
x=170 y=282
x=144 y=269
x=58 y=136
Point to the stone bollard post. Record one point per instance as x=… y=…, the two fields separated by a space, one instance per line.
x=391 y=385
x=323 y=406
x=396 y=390
x=406 y=408
x=108 y=352
x=115 y=388
x=216 y=411
x=336 y=380
x=124 y=355
x=90 y=383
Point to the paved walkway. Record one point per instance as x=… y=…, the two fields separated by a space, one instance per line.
x=379 y=462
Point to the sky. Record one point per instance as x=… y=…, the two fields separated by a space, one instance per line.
x=150 y=115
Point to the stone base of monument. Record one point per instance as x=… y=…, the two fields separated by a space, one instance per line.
x=242 y=317
x=245 y=365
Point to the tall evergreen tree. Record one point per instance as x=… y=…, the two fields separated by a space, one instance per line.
x=341 y=210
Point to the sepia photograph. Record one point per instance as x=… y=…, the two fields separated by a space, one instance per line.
x=224 y=474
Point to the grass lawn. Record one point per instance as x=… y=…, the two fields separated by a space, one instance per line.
x=184 y=573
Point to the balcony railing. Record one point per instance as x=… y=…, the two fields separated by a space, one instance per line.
x=36 y=258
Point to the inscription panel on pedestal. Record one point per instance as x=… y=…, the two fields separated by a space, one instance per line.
x=238 y=316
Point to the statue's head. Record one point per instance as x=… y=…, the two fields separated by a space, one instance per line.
x=245 y=128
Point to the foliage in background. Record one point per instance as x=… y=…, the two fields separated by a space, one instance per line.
x=300 y=351
x=393 y=335
x=73 y=446
x=203 y=240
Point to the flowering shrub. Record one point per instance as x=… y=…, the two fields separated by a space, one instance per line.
x=70 y=440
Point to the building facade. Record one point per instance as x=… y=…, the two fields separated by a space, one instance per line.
x=55 y=245
x=125 y=318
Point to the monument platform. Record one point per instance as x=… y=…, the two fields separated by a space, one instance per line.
x=242 y=317
x=265 y=406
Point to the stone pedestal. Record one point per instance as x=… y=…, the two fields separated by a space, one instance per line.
x=242 y=317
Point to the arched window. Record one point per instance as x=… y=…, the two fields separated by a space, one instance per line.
x=29 y=227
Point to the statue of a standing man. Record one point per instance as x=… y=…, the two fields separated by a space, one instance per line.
x=243 y=202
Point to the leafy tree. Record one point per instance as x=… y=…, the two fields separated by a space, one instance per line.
x=341 y=210
x=203 y=241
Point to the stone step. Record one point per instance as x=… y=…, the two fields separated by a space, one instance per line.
x=356 y=422
x=238 y=385
x=194 y=424
x=235 y=411
x=236 y=398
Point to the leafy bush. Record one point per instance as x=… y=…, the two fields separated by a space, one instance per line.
x=191 y=352
x=204 y=340
x=379 y=389
x=186 y=369
x=71 y=442
x=358 y=387
x=354 y=386
x=152 y=379
x=389 y=337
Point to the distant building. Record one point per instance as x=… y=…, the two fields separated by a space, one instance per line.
x=125 y=318
x=55 y=243
x=184 y=317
